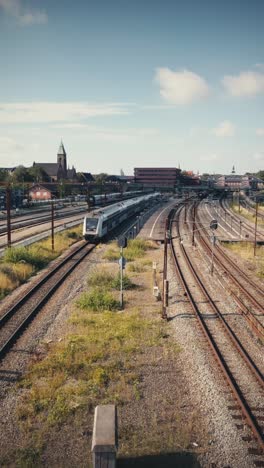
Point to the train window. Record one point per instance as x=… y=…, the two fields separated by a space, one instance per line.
x=91 y=224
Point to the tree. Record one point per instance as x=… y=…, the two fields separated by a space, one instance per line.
x=260 y=174
x=101 y=178
x=3 y=175
x=37 y=174
x=21 y=174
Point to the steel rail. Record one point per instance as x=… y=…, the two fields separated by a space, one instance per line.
x=249 y=228
x=25 y=224
x=10 y=312
x=15 y=335
x=251 y=419
x=251 y=318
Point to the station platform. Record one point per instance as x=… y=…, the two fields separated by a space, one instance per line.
x=154 y=228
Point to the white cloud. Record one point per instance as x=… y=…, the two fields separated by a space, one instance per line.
x=23 y=15
x=260 y=131
x=56 y=111
x=110 y=134
x=224 y=129
x=181 y=87
x=247 y=83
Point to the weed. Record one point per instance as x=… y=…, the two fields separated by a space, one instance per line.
x=28 y=457
x=101 y=278
x=19 y=263
x=245 y=251
x=136 y=267
x=98 y=300
x=111 y=255
x=127 y=283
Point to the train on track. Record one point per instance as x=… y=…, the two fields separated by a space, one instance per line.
x=100 y=222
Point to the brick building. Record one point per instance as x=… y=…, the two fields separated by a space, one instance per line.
x=40 y=192
x=157 y=176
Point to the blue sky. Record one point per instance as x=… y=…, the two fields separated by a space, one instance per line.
x=127 y=84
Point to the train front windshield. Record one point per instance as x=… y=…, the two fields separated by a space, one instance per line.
x=91 y=224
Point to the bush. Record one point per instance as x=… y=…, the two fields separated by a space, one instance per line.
x=111 y=255
x=136 y=267
x=127 y=283
x=33 y=256
x=101 y=279
x=98 y=301
x=72 y=235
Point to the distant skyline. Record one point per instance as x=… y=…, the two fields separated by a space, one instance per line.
x=128 y=84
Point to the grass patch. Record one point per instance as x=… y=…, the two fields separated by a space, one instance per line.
x=98 y=300
x=136 y=248
x=136 y=267
x=101 y=278
x=249 y=215
x=127 y=283
x=105 y=281
x=101 y=360
x=245 y=250
x=19 y=263
x=93 y=362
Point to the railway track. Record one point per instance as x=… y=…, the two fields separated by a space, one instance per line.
x=240 y=372
x=252 y=303
x=236 y=219
x=31 y=222
x=14 y=321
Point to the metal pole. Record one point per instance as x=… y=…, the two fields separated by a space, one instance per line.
x=239 y=208
x=88 y=198
x=193 y=230
x=212 y=259
x=121 y=280
x=166 y=295
x=8 y=215
x=256 y=224
x=185 y=207
x=52 y=225
x=164 y=314
x=240 y=226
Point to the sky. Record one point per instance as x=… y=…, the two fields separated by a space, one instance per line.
x=124 y=84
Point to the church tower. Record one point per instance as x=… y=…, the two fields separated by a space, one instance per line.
x=62 y=161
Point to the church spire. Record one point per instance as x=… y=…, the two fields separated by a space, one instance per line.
x=62 y=160
x=233 y=170
x=62 y=149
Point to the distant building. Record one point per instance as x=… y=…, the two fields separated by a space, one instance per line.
x=86 y=177
x=40 y=192
x=57 y=171
x=157 y=176
x=237 y=182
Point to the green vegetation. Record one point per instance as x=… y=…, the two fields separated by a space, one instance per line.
x=94 y=361
x=98 y=300
x=127 y=283
x=136 y=249
x=20 y=263
x=105 y=280
x=100 y=359
x=246 y=251
x=249 y=215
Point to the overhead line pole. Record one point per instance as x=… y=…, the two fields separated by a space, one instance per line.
x=256 y=225
x=8 y=215
x=52 y=225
